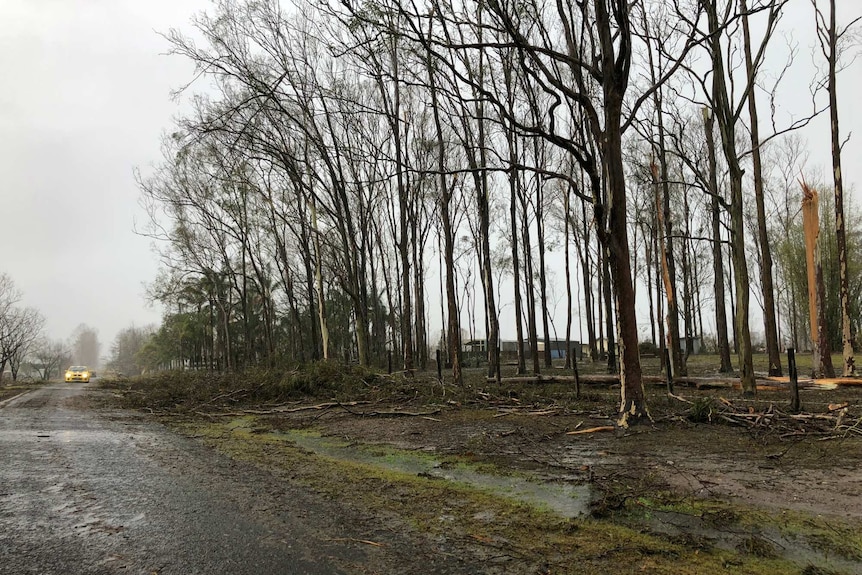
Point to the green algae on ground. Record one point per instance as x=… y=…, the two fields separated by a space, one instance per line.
x=801 y=538
x=472 y=519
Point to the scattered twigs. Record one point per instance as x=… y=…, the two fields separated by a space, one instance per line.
x=388 y=413
x=834 y=422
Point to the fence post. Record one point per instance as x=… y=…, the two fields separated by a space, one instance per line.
x=577 y=377
x=794 y=380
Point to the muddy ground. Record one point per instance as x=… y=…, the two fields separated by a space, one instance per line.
x=712 y=480
x=820 y=474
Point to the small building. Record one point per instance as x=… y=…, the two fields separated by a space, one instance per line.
x=509 y=348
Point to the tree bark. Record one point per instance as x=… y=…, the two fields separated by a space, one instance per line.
x=453 y=327
x=615 y=69
x=840 y=228
x=770 y=327
x=727 y=123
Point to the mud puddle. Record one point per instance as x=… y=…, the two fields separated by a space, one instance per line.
x=566 y=500
x=765 y=542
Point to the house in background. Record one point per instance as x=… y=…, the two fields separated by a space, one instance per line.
x=509 y=349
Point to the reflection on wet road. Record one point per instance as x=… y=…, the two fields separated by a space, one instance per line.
x=81 y=493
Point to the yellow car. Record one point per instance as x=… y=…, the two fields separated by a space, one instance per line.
x=78 y=373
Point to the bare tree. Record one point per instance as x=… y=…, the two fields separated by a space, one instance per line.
x=829 y=35
x=49 y=357
x=19 y=328
x=766 y=284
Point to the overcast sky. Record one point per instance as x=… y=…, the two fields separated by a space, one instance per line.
x=84 y=98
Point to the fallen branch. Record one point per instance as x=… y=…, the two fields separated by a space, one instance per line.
x=353 y=540
x=592 y=430
x=221 y=396
x=318 y=407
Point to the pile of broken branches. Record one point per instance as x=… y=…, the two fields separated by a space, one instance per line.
x=836 y=422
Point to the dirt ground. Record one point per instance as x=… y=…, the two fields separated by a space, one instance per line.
x=805 y=471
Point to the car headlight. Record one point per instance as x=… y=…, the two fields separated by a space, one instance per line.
x=85 y=374
x=68 y=374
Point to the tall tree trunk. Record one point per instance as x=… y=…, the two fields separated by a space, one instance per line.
x=688 y=311
x=493 y=322
x=530 y=285
x=566 y=226
x=609 y=310
x=666 y=230
x=662 y=340
x=727 y=123
x=840 y=227
x=453 y=327
x=516 y=264
x=649 y=239
x=771 y=329
x=668 y=271
x=614 y=65
x=419 y=295
x=586 y=267
x=543 y=280
x=321 y=307
x=404 y=213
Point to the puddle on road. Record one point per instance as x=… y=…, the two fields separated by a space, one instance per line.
x=566 y=500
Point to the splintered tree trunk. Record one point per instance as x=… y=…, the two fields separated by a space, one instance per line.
x=811 y=229
x=321 y=307
x=769 y=323
x=822 y=360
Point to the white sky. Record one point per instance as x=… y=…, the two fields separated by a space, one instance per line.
x=84 y=99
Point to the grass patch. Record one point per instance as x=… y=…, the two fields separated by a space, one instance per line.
x=829 y=536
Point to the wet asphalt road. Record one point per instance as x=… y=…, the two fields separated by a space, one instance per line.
x=89 y=491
